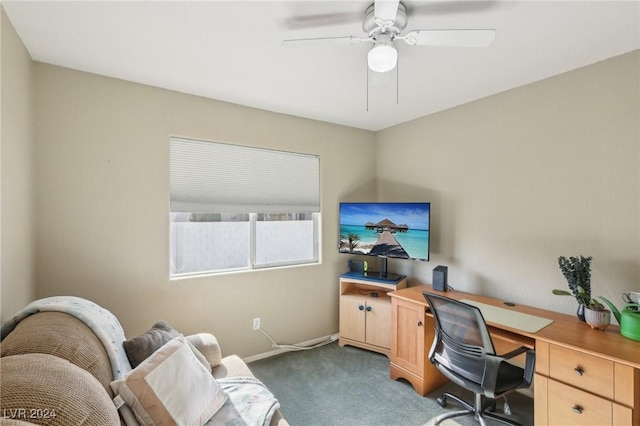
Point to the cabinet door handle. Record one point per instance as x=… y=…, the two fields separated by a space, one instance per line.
x=579 y=371
x=577 y=409
x=361 y=307
x=368 y=308
x=419 y=323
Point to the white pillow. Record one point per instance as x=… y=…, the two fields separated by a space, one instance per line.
x=171 y=387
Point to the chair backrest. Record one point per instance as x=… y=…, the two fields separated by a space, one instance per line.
x=462 y=337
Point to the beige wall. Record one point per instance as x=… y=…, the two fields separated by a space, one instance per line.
x=516 y=180
x=520 y=178
x=103 y=197
x=17 y=193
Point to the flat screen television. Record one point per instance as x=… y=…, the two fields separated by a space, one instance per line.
x=387 y=230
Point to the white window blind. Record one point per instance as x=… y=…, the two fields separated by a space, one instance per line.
x=218 y=177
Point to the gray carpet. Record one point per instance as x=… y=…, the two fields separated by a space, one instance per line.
x=347 y=386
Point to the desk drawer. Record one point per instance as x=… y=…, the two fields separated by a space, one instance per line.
x=569 y=406
x=581 y=370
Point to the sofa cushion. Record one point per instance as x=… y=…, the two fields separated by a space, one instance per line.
x=141 y=347
x=45 y=389
x=4 y=421
x=171 y=387
x=232 y=366
x=62 y=335
x=208 y=346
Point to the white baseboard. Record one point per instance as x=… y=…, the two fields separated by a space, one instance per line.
x=312 y=342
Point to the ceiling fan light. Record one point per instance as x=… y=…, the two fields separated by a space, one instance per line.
x=382 y=57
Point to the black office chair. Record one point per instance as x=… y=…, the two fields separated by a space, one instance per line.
x=463 y=351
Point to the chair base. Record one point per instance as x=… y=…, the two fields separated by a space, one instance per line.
x=477 y=410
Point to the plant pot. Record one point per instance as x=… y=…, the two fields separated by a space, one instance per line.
x=597 y=319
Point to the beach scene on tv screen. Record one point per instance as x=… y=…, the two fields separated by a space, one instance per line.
x=399 y=230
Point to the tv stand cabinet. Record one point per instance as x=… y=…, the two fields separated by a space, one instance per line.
x=365 y=309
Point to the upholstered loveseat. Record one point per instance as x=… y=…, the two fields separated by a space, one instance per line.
x=65 y=361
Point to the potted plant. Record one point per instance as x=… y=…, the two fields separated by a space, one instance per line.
x=577 y=272
x=596 y=315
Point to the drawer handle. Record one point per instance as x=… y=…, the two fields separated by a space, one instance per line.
x=579 y=371
x=368 y=308
x=577 y=409
x=419 y=323
x=361 y=307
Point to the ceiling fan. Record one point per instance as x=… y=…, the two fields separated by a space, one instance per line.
x=384 y=21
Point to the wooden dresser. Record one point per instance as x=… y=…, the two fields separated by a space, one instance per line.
x=583 y=376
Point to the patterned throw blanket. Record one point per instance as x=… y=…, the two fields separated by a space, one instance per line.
x=102 y=322
x=250 y=403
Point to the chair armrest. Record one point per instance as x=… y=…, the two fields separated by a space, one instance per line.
x=492 y=367
x=208 y=345
x=530 y=366
x=530 y=361
x=490 y=375
x=514 y=352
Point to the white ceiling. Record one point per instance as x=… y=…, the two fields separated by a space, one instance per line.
x=231 y=50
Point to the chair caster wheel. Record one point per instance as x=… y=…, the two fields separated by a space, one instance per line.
x=442 y=401
x=492 y=407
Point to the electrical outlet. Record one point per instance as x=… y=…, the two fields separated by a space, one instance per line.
x=256 y=324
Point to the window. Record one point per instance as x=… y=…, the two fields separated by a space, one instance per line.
x=235 y=207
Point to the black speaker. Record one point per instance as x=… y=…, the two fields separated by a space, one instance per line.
x=440 y=278
x=382 y=265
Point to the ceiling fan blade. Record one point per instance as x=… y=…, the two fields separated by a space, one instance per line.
x=324 y=41
x=450 y=38
x=320 y=20
x=452 y=6
x=386 y=10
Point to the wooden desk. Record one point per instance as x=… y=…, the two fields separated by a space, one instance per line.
x=583 y=376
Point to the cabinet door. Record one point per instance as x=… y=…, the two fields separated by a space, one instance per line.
x=570 y=406
x=352 y=318
x=408 y=336
x=584 y=371
x=378 y=322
